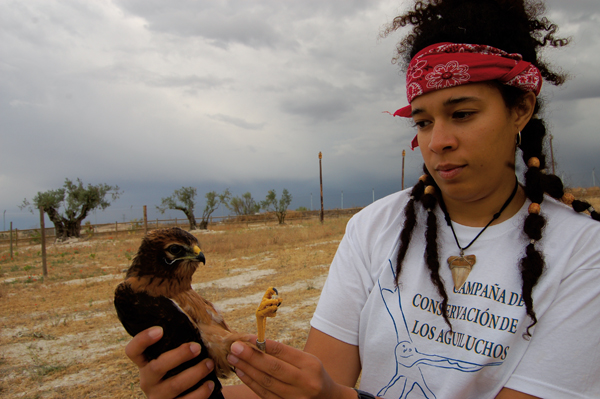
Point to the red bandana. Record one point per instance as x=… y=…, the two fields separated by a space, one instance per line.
x=445 y=65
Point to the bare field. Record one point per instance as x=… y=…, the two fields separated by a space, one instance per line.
x=60 y=336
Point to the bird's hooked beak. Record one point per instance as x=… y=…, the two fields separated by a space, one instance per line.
x=199 y=255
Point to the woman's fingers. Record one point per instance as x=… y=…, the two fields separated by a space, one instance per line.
x=282 y=372
x=261 y=383
x=136 y=347
x=273 y=366
x=201 y=393
x=181 y=382
x=153 y=371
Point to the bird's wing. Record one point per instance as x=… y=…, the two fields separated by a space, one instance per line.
x=215 y=314
x=138 y=311
x=200 y=311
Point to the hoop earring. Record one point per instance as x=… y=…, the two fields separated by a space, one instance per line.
x=518 y=139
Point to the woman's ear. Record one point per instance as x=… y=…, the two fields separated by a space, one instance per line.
x=524 y=110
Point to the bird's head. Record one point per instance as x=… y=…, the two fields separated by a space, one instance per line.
x=170 y=253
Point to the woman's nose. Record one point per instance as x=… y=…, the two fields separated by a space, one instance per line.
x=442 y=138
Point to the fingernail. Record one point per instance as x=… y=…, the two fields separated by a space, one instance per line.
x=237 y=348
x=155 y=332
x=210 y=364
x=239 y=373
x=211 y=385
x=232 y=359
x=195 y=348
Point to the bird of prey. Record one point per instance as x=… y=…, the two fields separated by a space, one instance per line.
x=157 y=291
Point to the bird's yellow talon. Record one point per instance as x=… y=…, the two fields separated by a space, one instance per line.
x=267 y=308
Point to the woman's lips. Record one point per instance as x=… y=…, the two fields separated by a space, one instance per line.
x=448 y=172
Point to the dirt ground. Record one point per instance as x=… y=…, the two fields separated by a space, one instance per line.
x=60 y=336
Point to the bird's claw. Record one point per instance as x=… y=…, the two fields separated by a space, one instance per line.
x=269 y=304
x=267 y=308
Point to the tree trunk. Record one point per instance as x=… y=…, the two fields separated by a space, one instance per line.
x=191 y=220
x=73 y=228
x=281 y=217
x=203 y=225
x=59 y=230
x=59 y=227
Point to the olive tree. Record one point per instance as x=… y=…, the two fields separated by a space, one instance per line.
x=183 y=200
x=68 y=206
x=213 y=201
x=280 y=207
x=244 y=205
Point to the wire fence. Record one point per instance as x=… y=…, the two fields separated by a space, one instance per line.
x=116 y=229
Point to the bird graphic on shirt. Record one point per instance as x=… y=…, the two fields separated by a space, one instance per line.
x=157 y=291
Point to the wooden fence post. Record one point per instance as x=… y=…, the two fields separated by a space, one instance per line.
x=116 y=229
x=321 y=179
x=11 y=241
x=145 y=221
x=403 y=155
x=43 y=229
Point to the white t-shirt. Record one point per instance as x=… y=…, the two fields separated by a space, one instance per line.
x=406 y=348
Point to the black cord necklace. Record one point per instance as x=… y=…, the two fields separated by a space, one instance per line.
x=461 y=265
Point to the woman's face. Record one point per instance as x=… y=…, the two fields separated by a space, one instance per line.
x=467 y=138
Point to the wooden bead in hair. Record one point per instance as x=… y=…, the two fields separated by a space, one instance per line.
x=429 y=200
x=534 y=208
x=533 y=162
x=568 y=198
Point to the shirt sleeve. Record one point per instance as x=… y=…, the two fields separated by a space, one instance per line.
x=563 y=357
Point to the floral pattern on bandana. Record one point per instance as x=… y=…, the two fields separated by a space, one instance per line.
x=528 y=80
x=414 y=89
x=448 y=75
x=415 y=70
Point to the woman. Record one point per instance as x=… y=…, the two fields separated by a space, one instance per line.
x=468 y=285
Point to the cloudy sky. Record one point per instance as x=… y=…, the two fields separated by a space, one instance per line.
x=154 y=95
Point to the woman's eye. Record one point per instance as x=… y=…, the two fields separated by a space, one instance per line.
x=421 y=124
x=175 y=249
x=462 y=114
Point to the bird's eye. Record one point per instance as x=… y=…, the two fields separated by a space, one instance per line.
x=175 y=249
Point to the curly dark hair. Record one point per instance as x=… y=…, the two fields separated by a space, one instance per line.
x=515 y=26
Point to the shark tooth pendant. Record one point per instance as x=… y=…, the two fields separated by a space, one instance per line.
x=461 y=266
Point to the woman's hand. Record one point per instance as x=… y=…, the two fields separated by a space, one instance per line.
x=285 y=372
x=151 y=372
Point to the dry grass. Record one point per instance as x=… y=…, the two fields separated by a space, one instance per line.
x=60 y=337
